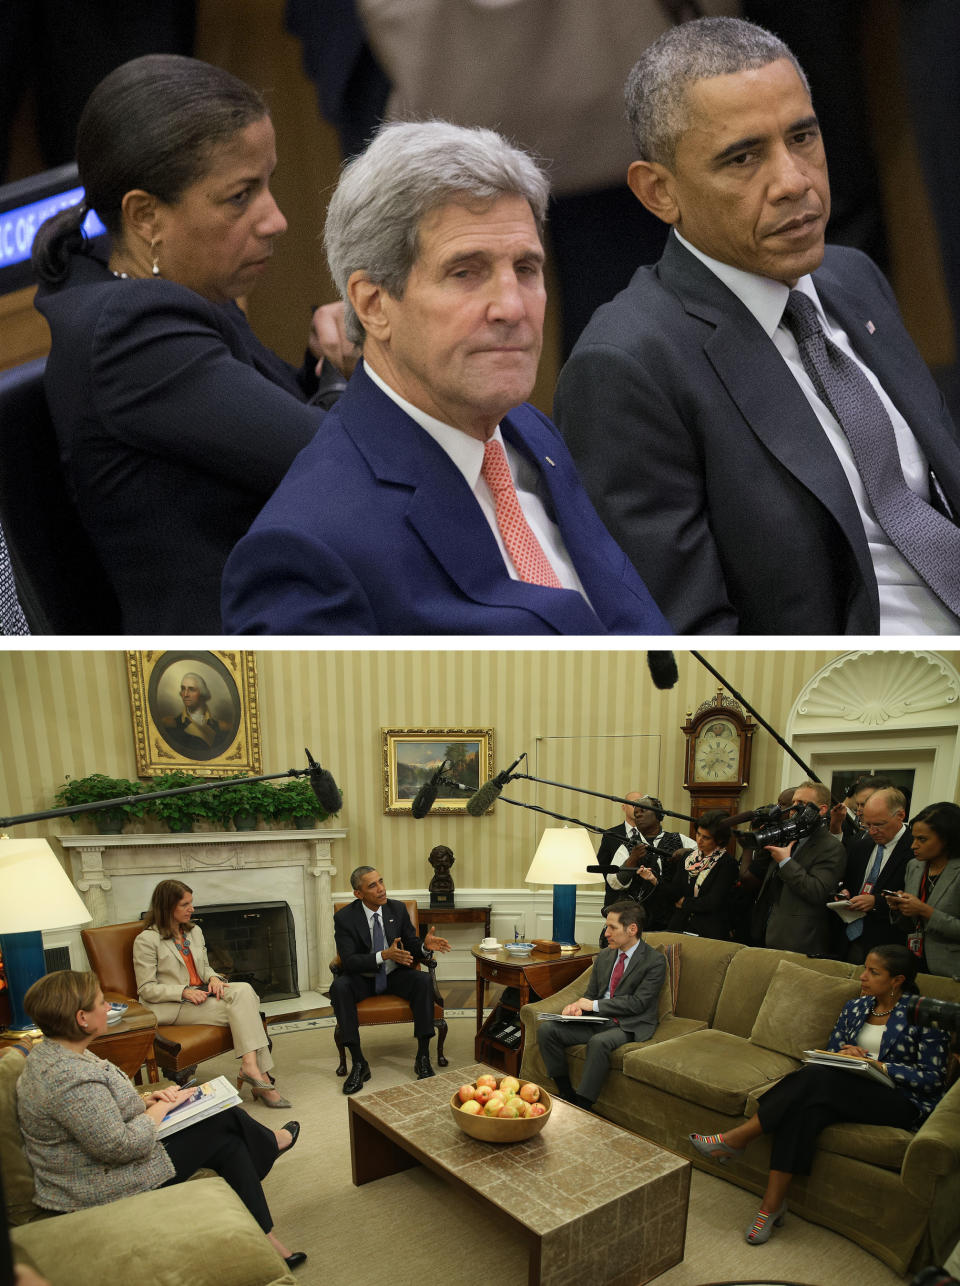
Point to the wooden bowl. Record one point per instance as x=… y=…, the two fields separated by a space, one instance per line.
x=500 y=1129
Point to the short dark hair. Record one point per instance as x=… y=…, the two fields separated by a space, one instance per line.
x=53 y=1001
x=944 y=820
x=163 y=899
x=628 y=912
x=357 y=874
x=715 y=821
x=152 y=123
x=898 y=959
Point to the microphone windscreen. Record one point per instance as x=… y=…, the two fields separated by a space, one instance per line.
x=663 y=669
x=326 y=790
x=424 y=799
x=478 y=804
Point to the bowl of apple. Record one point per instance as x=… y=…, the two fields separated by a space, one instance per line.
x=507 y=1110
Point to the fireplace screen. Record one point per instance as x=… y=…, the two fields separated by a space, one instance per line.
x=253 y=942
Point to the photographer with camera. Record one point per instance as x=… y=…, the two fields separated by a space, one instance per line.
x=928 y=905
x=798 y=877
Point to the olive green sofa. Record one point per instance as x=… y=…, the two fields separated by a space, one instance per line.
x=733 y=1021
x=198 y=1232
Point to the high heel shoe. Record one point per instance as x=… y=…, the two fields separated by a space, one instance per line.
x=296 y=1259
x=713 y=1147
x=761 y=1229
x=260 y=1089
x=293 y=1129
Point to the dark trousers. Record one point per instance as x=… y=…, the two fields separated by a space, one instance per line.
x=555 y=1038
x=414 y=985
x=238 y=1148
x=810 y=1099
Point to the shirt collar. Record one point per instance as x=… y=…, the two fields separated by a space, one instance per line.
x=764 y=298
x=465 y=451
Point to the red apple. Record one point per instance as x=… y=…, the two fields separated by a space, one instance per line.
x=523 y=1108
x=493 y=1105
x=536 y=1109
x=509 y=1109
x=466 y=1092
x=471 y=1107
x=481 y=1094
x=530 y=1092
x=487 y=1079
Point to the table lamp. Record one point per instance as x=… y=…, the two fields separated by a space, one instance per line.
x=35 y=894
x=561 y=859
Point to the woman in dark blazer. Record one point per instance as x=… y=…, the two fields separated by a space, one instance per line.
x=708 y=877
x=91 y=1138
x=912 y=1063
x=174 y=423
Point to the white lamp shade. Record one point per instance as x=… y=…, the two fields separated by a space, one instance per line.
x=562 y=857
x=35 y=891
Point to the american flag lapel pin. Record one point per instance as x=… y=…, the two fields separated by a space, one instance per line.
x=870 y=327
x=549 y=461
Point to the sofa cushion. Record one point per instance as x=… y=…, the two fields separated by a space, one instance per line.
x=749 y=977
x=671 y=982
x=711 y=1068
x=800 y=1009
x=704 y=969
x=17 y=1173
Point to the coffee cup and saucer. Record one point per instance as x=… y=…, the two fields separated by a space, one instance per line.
x=490 y=944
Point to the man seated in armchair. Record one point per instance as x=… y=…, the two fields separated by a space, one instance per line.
x=370 y=967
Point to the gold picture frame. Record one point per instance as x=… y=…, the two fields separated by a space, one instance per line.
x=411 y=755
x=194 y=712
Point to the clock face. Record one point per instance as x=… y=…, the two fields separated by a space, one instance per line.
x=716 y=754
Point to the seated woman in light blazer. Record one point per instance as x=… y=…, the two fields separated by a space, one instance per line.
x=175 y=980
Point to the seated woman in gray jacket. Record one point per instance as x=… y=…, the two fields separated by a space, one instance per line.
x=91 y=1138
x=175 y=980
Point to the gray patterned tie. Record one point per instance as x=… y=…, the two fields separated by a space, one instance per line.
x=379 y=942
x=12 y=620
x=927 y=540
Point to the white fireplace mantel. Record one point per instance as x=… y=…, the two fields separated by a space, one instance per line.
x=115 y=874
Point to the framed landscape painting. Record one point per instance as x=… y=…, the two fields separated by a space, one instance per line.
x=412 y=755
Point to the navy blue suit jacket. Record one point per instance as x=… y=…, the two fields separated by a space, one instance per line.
x=375 y=531
x=354 y=943
x=709 y=466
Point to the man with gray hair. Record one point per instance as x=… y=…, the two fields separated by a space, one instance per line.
x=436 y=500
x=753 y=403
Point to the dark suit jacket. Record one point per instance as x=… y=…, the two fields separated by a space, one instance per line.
x=689 y=431
x=375 y=531
x=352 y=935
x=636 y=1001
x=708 y=913
x=877 y=926
x=175 y=424
x=796 y=896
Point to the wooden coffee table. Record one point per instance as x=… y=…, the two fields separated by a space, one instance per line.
x=596 y=1203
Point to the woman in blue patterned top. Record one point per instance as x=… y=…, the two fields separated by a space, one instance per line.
x=876 y=1026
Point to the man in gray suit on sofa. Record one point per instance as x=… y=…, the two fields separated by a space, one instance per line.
x=623 y=992
x=750 y=417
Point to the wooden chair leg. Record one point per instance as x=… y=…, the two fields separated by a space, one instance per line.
x=441 y=1026
x=341 y=1050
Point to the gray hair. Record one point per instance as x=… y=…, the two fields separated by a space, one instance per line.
x=408 y=170
x=357 y=874
x=200 y=682
x=656 y=89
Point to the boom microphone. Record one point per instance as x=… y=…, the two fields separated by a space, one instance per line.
x=323 y=786
x=479 y=802
x=663 y=669
x=426 y=796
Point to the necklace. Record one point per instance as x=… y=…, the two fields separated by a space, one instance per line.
x=883 y=1013
x=121 y=276
x=182 y=945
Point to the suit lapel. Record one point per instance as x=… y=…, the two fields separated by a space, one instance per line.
x=946 y=881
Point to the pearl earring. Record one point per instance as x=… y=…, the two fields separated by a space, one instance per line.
x=156 y=259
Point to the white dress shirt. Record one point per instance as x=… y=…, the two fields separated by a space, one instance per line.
x=466 y=453
x=907 y=604
x=626 y=965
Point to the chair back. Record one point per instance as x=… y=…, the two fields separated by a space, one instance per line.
x=60 y=581
x=110 y=952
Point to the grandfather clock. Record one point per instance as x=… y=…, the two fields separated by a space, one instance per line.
x=717 y=764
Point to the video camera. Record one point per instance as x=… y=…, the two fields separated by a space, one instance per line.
x=924 y=1011
x=777 y=827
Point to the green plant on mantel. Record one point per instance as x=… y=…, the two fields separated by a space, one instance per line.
x=297 y=803
x=242 y=801
x=180 y=811
x=87 y=790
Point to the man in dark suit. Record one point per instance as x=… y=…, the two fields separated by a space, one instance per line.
x=799 y=879
x=876 y=863
x=436 y=501
x=623 y=991
x=717 y=449
x=640 y=870
x=377 y=946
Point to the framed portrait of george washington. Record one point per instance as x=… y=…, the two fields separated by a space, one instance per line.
x=412 y=755
x=194 y=712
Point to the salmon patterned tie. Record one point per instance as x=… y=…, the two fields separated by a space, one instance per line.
x=524 y=549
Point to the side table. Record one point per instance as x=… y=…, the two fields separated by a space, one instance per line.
x=455 y=915
x=128 y=1044
x=533 y=976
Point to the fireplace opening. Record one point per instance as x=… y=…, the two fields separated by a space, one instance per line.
x=253 y=942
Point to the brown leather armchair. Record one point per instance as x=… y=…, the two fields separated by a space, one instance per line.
x=178 y=1048
x=376 y=1011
